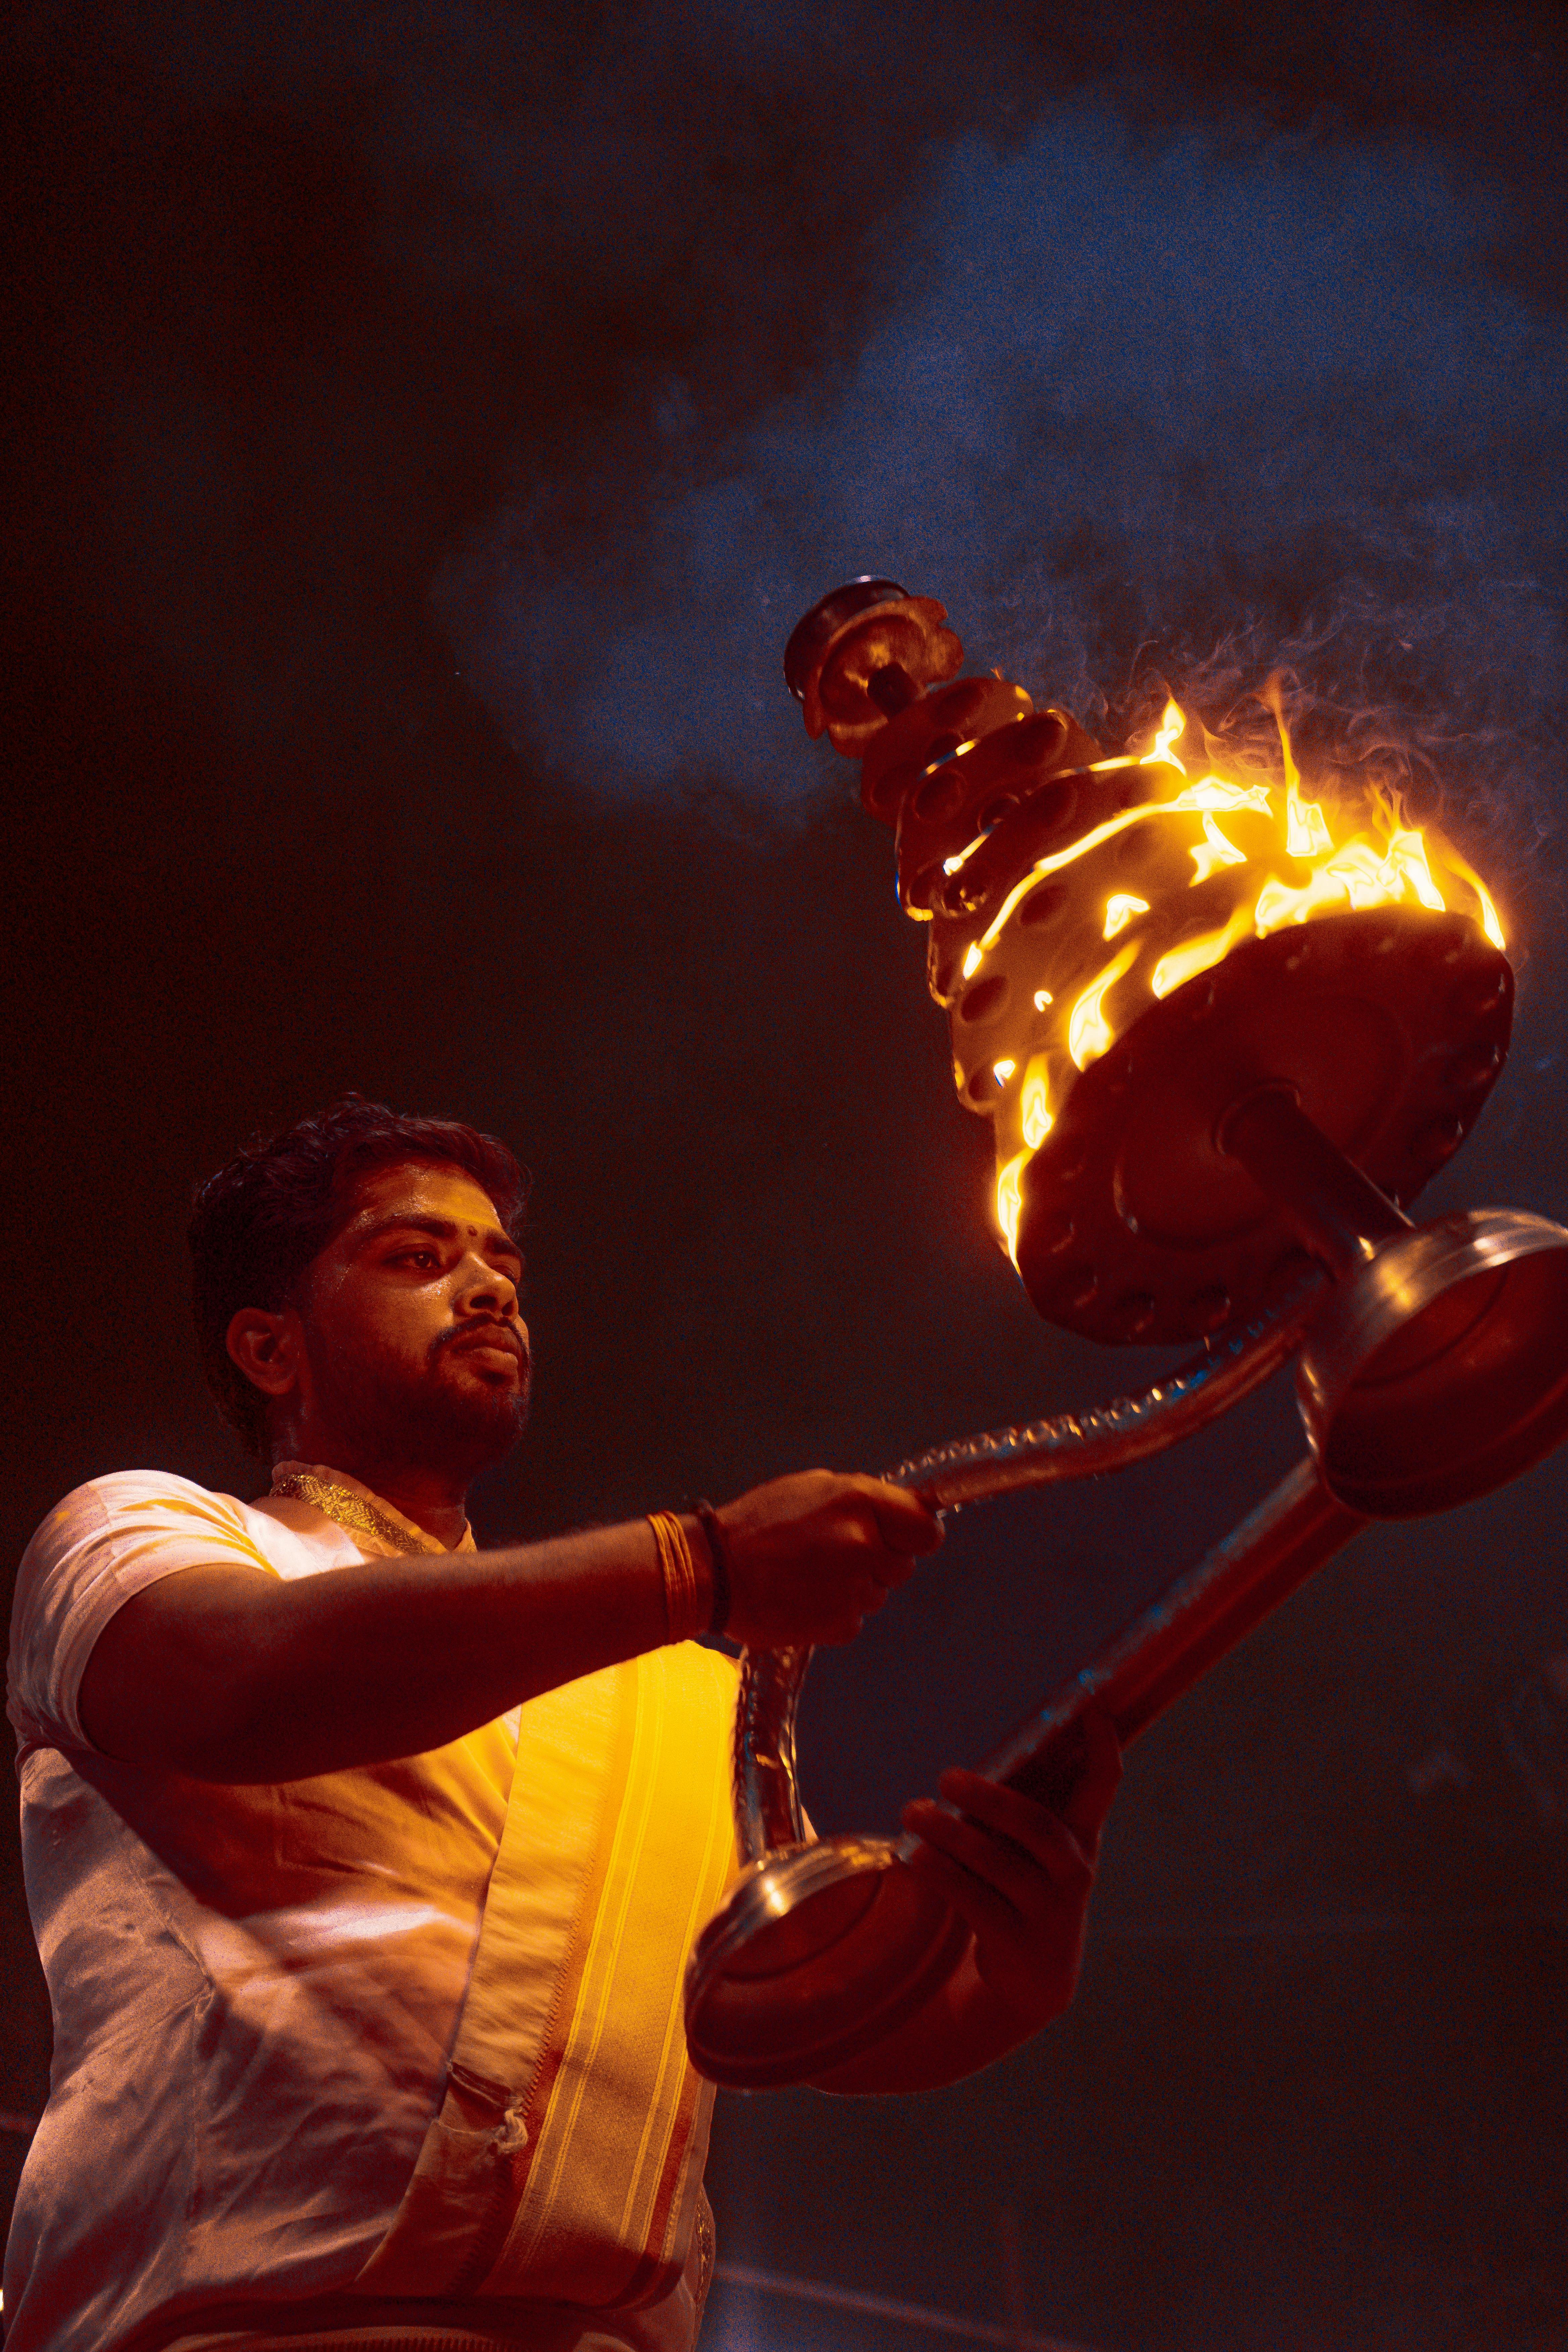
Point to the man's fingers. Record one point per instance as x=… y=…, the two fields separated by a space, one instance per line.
x=887 y=1570
x=906 y=1525
x=1004 y=1810
x=1028 y=1871
x=982 y=1909
x=1089 y=1802
x=814 y=1553
x=1009 y=1840
x=1031 y=1824
x=865 y=1597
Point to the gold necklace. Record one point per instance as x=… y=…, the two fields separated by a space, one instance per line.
x=355 y=1512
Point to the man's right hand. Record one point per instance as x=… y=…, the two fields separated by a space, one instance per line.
x=813 y=1555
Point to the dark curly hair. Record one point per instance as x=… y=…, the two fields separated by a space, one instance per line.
x=258 y=1224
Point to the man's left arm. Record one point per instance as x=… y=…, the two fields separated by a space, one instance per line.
x=1021 y=1874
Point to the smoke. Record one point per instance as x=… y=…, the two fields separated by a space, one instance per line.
x=1149 y=412
x=1169 y=350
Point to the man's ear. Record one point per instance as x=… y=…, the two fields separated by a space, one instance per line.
x=267 y=1347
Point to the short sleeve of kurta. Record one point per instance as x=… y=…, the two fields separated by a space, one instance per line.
x=107 y=1540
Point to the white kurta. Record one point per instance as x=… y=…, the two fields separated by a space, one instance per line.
x=255 y=1990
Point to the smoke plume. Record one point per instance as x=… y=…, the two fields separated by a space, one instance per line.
x=1149 y=410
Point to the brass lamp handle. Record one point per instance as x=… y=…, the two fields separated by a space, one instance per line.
x=768 y=1815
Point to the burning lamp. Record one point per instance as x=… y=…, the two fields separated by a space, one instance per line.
x=1223 y=1034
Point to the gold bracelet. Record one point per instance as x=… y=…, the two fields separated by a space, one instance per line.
x=683 y=1611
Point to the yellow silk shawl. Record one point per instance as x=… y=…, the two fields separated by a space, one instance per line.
x=566 y=2161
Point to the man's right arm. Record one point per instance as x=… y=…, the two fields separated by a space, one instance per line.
x=226 y=1673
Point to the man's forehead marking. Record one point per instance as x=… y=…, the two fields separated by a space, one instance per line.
x=371 y=1215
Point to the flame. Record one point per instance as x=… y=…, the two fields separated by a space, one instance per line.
x=1306 y=827
x=1193 y=956
x=1356 y=875
x=1119 y=909
x=1491 y=923
x=1172 y=728
x=1216 y=849
x=1210 y=793
x=1002 y=1071
x=1409 y=851
x=1089 y=1034
x=1214 y=793
x=1038 y=1117
x=1042 y=998
x=1010 y=1200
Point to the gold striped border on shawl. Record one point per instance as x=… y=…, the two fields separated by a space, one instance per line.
x=618 y=2118
x=679 y=2174
x=573 y=1754
x=574 y=1759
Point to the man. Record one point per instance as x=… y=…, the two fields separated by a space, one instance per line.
x=364 y=1865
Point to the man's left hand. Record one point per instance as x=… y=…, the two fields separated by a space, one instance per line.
x=1021 y=1874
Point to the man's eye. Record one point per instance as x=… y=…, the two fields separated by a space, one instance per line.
x=416 y=1257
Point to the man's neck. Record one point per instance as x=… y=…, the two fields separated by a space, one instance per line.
x=427 y=1497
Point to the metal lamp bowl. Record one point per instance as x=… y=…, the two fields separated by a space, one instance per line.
x=1440 y=1370
x=819 y=1953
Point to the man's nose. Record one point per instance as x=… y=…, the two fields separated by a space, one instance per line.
x=484 y=1289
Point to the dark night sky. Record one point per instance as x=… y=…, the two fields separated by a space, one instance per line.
x=431 y=422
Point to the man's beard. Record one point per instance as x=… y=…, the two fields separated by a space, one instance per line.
x=405 y=1416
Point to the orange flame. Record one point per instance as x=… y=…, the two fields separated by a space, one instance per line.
x=1119 y=909
x=1306 y=827
x=1170 y=729
x=1216 y=849
x=1210 y=793
x=1038 y=1117
x=1186 y=963
x=1010 y=1200
x=1089 y=1034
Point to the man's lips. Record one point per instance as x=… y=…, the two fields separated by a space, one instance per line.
x=492 y=1338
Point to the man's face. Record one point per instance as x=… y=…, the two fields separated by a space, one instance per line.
x=414 y=1348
